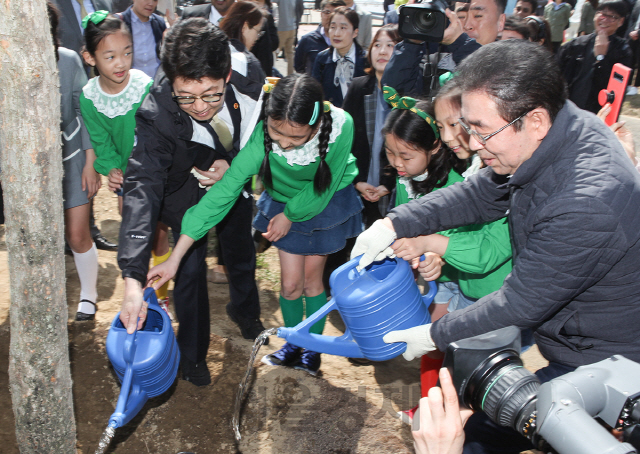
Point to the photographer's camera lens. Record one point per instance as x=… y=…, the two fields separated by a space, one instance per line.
x=504 y=390
x=489 y=376
x=424 y=22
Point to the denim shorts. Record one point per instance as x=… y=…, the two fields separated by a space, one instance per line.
x=449 y=292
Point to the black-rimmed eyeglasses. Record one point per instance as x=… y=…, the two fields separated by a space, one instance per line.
x=479 y=137
x=214 y=97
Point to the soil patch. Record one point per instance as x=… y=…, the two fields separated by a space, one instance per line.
x=349 y=409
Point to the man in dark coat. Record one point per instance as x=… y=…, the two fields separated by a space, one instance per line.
x=572 y=197
x=70 y=29
x=180 y=150
x=213 y=11
x=587 y=61
x=146 y=54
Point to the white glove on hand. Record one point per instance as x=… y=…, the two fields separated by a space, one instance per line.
x=374 y=244
x=418 y=340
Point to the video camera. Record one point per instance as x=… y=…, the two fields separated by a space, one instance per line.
x=425 y=21
x=564 y=413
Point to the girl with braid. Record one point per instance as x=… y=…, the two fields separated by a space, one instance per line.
x=302 y=151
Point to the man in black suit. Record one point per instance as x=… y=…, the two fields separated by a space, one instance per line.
x=121 y=5
x=70 y=29
x=213 y=11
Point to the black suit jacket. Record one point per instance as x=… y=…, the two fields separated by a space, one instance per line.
x=361 y=149
x=69 y=31
x=197 y=11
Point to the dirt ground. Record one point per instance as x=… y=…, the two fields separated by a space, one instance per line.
x=349 y=409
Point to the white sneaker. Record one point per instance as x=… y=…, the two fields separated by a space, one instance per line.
x=632 y=91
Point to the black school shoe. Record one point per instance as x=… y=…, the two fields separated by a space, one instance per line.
x=84 y=317
x=104 y=244
x=250 y=328
x=196 y=373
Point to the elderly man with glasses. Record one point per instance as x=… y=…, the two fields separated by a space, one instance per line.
x=189 y=129
x=572 y=198
x=587 y=61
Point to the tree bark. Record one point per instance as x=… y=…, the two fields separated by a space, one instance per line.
x=31 y=158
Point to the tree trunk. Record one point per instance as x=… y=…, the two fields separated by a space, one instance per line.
x=31 y=158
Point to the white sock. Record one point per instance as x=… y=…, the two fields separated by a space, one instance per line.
x=87 y=266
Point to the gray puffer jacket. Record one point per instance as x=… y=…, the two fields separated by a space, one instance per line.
x=574 y=215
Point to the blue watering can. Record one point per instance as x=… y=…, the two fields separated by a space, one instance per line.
x=383 y=297
x=146 y=362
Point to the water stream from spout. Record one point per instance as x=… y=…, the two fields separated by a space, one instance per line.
x=244 y=384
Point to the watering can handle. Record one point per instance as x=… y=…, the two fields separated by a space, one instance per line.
x=150 y=296
x=129 y=342
x=433 y=288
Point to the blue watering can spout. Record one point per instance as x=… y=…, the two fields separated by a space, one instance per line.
x=382 y=298
x=146 y=362
x=334 y=345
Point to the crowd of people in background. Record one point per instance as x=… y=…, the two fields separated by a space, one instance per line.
x=367 y=135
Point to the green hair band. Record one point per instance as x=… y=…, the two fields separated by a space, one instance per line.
x=316 y=110
x=95 y=17
x=407 y=103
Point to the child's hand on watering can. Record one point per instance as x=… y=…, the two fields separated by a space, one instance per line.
x=159 y=274
x=430 y=268
x=373 y=244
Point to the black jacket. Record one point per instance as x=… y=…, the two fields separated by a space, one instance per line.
x=354 y=103
x=157 y=26
x=585 y=75
x=197 y=11
x=324 y=71
x=253 y=81
x=158 y=182
x=574 y=212
x=404 y=72
x=308 y=48
x=266 y=45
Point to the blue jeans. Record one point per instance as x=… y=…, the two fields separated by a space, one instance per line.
x=449 y=292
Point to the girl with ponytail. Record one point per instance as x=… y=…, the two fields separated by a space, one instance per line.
x=302 y=151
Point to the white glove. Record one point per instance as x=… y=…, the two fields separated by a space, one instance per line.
x=374 y=244
x=199 y=176
x=418 y=340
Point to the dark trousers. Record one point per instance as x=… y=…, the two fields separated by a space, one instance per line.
x=239 y=256
x=191 y=301
x=483 y=436
x=190 y=294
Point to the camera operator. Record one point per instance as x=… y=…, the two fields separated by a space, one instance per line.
x=486 y=20
x=573 y=204
x=404 y=72
x=437 y=427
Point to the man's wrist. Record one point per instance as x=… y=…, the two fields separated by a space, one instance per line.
x=132 y=277
x=452 y=39
x=389 y=224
